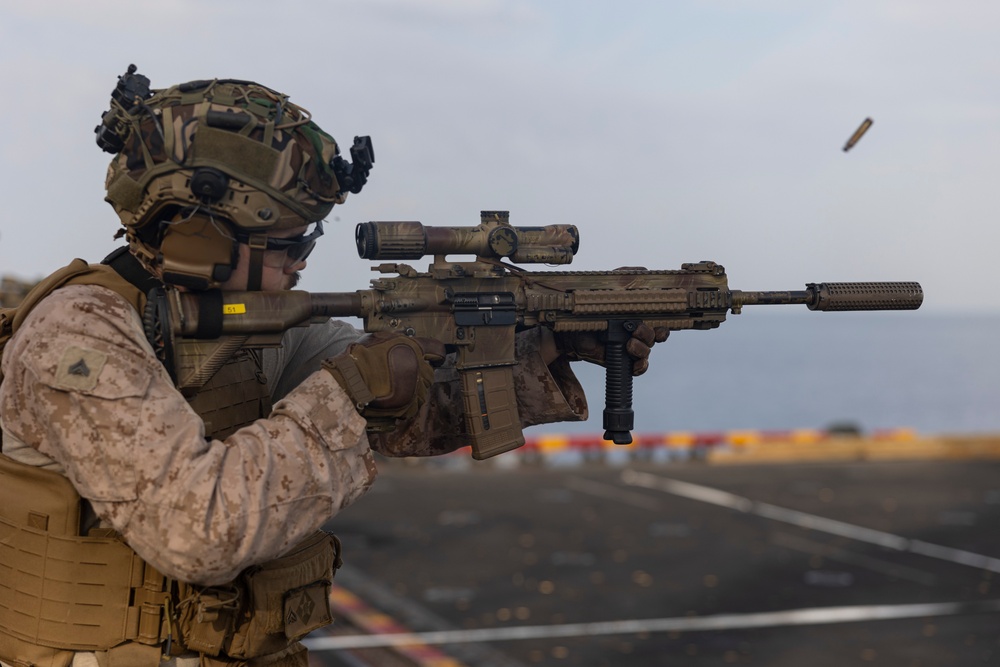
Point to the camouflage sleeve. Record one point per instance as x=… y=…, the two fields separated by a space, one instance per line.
x=83 y=387
x=545 y=394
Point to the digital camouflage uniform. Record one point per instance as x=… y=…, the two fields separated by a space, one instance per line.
x=197 y=509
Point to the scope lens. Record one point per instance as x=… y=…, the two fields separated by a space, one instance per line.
x=364 y=236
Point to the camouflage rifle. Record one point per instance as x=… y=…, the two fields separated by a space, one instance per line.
x=476 y=307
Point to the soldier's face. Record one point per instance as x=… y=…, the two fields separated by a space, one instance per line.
x=280 y=272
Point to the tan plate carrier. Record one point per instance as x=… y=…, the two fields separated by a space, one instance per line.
x=61 y=592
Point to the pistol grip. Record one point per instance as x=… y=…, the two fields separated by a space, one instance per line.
x=491 y=418
x=618 y=414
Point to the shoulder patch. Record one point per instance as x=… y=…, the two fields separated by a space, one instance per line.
x=79 y=368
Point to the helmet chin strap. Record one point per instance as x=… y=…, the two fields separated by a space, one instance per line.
x=255 y=276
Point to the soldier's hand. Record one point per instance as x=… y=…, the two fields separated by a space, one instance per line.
x=589 y=345
x=387 y=375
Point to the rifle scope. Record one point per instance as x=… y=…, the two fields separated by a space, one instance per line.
x=494 y=238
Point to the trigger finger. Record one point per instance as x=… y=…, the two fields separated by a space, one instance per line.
x=434 y=350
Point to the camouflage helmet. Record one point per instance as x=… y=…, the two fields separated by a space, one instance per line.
x=226 y=149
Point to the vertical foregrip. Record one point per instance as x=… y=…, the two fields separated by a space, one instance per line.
x=618 y=415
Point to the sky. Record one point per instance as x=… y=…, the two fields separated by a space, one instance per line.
x=668 y=132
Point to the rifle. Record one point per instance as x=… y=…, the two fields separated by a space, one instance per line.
x=476 y=307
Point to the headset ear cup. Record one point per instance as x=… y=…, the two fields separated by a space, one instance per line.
x=198 y=252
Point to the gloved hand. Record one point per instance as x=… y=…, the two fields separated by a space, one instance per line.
x=387 y=375
x=589 y=345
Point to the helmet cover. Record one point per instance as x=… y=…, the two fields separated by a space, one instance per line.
x=225 y=149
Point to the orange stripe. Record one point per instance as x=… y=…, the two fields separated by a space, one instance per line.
x=350 y=606
x=558 y=442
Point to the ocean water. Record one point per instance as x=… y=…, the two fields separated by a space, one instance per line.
x=783 y=368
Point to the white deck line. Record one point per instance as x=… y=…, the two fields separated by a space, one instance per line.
x=769 y=619
x=802 y=519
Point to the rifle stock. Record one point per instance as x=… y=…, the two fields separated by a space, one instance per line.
x=476 y=308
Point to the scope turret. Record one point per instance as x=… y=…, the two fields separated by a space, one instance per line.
x=493 y=238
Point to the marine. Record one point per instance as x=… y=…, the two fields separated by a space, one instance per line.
x=143 y=524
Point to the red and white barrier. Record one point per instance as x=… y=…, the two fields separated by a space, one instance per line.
x=572 y=449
